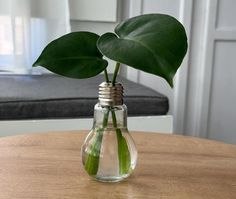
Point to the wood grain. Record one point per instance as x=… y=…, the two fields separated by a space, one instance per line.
x=43 y=166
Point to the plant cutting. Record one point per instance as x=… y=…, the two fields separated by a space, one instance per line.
x=153 y=43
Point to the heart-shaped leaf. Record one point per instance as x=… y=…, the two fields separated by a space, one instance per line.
x=73 y=55
x=154 y=43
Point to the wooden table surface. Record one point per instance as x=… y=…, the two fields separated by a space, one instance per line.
x=48 y=165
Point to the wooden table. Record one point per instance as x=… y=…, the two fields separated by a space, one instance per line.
x=49 y=165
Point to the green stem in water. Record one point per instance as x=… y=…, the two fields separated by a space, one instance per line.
x=105 y=118
x=113 y=115
x=106 y=75
x=92 y=162
x=123 y=150
x=115 y=73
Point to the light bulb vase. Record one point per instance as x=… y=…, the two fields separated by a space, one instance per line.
x=109 y=153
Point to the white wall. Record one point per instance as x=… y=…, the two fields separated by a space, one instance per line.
x=148 y=124
x=210 y=96
x=90 y=10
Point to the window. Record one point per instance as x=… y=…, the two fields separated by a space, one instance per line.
x=26 y=27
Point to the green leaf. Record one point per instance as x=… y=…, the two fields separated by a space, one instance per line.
x=154 y=43
x=73 y=55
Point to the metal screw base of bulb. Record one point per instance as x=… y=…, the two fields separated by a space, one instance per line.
x=110 y=95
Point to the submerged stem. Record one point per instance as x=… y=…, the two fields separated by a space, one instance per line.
x=113 y=115
x=123 y=150
x=92 y=162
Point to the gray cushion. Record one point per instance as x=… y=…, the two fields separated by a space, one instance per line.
x=52 y=96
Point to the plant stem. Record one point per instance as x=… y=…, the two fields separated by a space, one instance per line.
x=123 y=150
x=113 y=115
x=115 y=73
x=106 y=75
x=92 y=162
x=105 y=119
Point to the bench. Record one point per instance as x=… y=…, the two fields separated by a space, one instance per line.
x=53 y=97
x=37 y=103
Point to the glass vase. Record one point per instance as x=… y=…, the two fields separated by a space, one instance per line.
x=109 y=153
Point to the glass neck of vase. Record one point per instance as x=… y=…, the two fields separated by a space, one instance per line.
x=110 y=116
